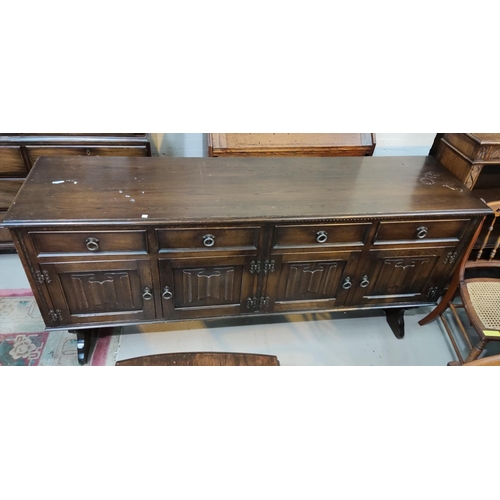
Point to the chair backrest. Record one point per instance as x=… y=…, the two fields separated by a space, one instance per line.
x=495 y=206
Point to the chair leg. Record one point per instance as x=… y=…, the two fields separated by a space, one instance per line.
x=441 y=307
x=476 y=351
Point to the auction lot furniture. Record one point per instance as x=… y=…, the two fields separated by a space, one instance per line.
x=18 y=153
x=475 y=160
x=132 y=240
x=291 y=144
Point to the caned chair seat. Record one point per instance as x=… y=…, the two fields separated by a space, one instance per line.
x=478 y=284
x=484 y=296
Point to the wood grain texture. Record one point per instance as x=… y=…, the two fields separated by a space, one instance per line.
x=18 y=153
x=137 y=240
x=170 y=190
x=202 y=359
x=291 y=144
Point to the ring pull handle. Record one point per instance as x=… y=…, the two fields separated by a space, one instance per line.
x=347 y=284
x=146 y=294
x=92 y=244
x=364 y=281
x=422 y=232
x=167 y=294
x=321 y=236
x=209 y=240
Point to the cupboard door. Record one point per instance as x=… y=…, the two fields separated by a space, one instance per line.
x=205 y=287
x=403 y=276
x=100 y=291
x=308 y=281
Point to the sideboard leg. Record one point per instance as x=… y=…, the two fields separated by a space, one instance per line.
x=396 y=320
x=83 y=338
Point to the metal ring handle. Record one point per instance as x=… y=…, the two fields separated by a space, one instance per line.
x=146 y=294
x=347 y=284
x=167 y=294
x=88 y=152
x=422 y=232
x=321 y=236
x=209 y=240
x=364 y=281
x=92 y=244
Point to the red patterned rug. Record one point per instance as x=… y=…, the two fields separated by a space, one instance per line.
x=23 y=341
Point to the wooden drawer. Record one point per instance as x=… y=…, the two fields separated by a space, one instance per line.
x=11 y=162
x=8 y=191
x=35 y=151
x=91 y=242
x=420 y=231
x=321 y=235
x=208 y=238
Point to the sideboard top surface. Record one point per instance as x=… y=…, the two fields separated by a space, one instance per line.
x=86 y=190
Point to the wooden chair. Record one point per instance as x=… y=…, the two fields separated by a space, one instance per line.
x=477 y=282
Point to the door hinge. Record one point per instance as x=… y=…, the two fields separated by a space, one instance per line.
x=257 y=267
x=450 y=258
x=56 y=316
x=43 y=276
x=256 y=304
x=269 y=266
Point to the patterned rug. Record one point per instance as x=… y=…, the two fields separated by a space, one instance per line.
x=23 y=341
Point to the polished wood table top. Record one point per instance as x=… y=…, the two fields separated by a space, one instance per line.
x=182 y=190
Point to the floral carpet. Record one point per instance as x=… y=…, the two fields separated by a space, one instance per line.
x=23 y=341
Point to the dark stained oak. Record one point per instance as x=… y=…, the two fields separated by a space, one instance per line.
x=112 y=190
x=109 y=241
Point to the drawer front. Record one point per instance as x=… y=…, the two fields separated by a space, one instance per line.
x=421 y=231
x=321 y=236
x=8 y=191
x=208 y=238
x=11 y=162
x=35 y=151
x=92 y=242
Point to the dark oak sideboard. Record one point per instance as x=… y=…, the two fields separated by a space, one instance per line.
x=131 y=240
x=18 y=153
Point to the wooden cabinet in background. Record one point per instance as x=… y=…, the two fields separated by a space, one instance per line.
x=19 y=152
x=472 y=158
x=134 y=240
x=475 y=160
x=291 y=144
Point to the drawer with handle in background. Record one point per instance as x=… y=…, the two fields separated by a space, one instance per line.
x=89 y=242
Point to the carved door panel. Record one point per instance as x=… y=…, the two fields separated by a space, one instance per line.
x=406 y=276
x=308 y=281
x=206 y=286
x=100 y=291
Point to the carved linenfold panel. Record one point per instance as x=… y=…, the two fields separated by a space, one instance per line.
x=402 y=275
x=312 y=280
x=209 y=286
x=99 y=292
